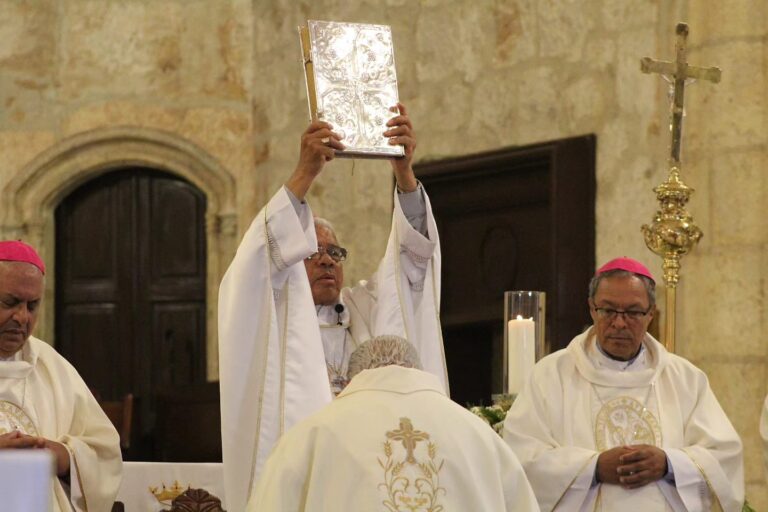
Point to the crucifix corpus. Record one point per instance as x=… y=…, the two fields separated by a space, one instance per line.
x=673 y=232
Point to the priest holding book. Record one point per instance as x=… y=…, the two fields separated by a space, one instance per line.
x=287 y=324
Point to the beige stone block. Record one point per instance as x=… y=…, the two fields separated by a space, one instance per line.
x=167 y=48
x=516 y=31
x=225 y=134
x=738 y=198
x=625 y=14
x=448 y=113
x=27 y=29
x=624 y=203
x=538 y=113
x=284 y=101
x=635 y=91
x=495 y=103
x=119 y=48
x=739 y=387
x=600 y=51
x=221 y=64
x=757 y=492
x=612 y=145
x=720 y=304
x=452 y=39
x=585 y=100
x=18 y=149
x=564 y=26
x=121 y=113
x=718 y=21
x=730 y=114
x=25 y=103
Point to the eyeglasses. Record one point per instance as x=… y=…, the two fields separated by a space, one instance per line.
x=337 y=254
x=610 y=314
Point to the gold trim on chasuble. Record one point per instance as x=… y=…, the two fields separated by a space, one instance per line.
x=623 y=421
x=411 y=471
x=13 y=417
x=706 y=479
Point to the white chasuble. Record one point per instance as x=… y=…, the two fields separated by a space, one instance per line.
x=392 y=441
x=274 y=369
x=575 y=406
x=41 y=394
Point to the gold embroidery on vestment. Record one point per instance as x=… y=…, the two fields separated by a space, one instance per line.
x=13 y=417
x=165 y=495
x=624 y=421
x=411 y=477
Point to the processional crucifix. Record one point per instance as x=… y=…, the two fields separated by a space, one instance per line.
x=673 y=233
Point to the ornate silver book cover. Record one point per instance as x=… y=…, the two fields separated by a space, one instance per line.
x=352 y=83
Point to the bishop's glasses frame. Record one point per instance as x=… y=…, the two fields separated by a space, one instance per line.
x=630 y=315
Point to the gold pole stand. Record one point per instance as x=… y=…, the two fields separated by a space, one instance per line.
x=672 y=234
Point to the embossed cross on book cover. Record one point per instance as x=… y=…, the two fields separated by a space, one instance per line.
x=352 y=83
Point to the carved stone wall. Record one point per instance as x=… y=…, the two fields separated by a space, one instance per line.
x=724 y=308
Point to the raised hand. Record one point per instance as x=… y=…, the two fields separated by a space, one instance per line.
x=318 y=145
x=401 y=132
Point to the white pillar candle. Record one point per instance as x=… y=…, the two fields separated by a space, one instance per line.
x=521 y=350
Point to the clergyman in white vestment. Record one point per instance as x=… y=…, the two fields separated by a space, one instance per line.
x=392 y=441
x=44 y=404
x=286 y=325
x=615 y=422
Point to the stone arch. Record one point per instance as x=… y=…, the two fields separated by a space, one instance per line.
x=31 y=198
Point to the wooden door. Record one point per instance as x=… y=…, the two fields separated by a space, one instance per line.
x=514 y=219
x=130 y=287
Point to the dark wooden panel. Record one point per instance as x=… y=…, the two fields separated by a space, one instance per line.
x=177 y=240
x=177 y=330
x=89 y=334
x=499 y=250
x=132 y=242
x=512 y=219
x=469 y=351
x=189 y=423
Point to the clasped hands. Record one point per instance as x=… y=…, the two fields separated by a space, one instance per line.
x=631 y=466
x=18 y=441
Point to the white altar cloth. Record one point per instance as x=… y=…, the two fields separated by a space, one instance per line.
x=139 y=477
x=26 y=480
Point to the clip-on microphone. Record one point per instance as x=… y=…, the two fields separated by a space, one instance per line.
x=339 y=308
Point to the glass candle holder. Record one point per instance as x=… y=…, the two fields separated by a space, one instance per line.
x=524 y=319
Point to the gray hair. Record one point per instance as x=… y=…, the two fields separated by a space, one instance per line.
x=319 y=221
x=383 y=351
x=650 y=286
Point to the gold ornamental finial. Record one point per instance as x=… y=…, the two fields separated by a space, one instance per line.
x=673 y=233
x=166 y=495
